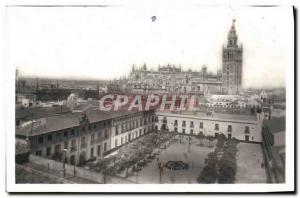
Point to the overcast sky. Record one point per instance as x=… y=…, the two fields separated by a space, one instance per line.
x=104 y=42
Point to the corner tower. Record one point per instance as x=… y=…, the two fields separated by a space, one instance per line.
x=232 y=64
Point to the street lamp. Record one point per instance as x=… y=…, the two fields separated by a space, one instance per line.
x=160 y=166
x=64 y=163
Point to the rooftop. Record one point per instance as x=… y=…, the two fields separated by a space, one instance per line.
x=66 y=121
x=40 y=112
x=276 y=124
x=214 y=116
x=49 y=124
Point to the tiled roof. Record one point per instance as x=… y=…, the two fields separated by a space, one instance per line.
x=50 y=124
x=69 y=120
x=40 y=112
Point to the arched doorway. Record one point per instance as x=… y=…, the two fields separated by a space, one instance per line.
x=82 y=158
x=72 y=160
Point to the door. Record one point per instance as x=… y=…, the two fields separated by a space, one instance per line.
x=72 y=160
x=247 y=138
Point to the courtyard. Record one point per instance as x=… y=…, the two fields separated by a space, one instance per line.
x=170 y=158
x=194 y=155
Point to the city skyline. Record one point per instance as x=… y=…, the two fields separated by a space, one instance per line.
x=76 y=52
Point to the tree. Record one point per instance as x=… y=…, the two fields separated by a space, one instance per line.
x=252 y=110
x=210 y=140
x=208 y=175
x=200 y=137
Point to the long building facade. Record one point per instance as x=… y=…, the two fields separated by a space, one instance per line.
x=90 y=135
x=241 y=127
x=84 y=136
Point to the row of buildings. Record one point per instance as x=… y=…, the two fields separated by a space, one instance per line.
x=82 y=136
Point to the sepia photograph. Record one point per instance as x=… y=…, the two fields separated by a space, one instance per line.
x=150 y=98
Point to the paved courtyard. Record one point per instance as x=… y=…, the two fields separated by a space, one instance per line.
x=194 y=156
x=249 y=159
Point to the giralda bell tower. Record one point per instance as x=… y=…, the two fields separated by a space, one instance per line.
x=232 y=64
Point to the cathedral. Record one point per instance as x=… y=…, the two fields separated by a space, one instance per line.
x=174 y=80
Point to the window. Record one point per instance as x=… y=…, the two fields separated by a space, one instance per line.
x=247 y=130
x=183 y=131
x=116 y=142
x=83 y=129
x=92 y=152
x=83 y=143
x=192 y=124
x=66 y=145
x=117 y=132
x=183 y=123
x=229 y=128
x=99 y=136
x=246 y=138
x=140 y=132
x=217 y=127
x=92 y=138
x=41 y=140
x=201 y=125
x=122 y=140
x=72 y=132
x=66 y=134
x=95 y=126
x=98 y=150
x=105 y=146
x=49 y=137
x=89 y=127
x=192 y=131
x=57 y=148
x=229 y=136
x=48 y=151
x=175 y=129
x=73 y=145
x=123 y=128
x=175 y=123
x=105 y=134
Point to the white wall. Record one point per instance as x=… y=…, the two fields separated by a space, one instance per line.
x=238 y=128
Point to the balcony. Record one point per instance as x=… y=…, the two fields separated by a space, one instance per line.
x=83 y=145
x=73 y=149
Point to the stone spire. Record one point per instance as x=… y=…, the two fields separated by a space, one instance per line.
x=232 y=36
